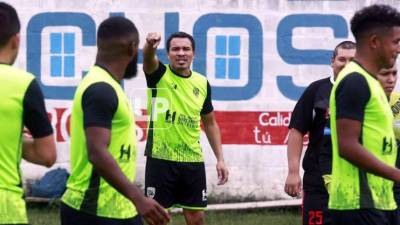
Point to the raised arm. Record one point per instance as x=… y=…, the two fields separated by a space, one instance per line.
x=150 y=60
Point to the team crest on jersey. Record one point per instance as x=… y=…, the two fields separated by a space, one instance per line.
x=196 y=91
x=150 y=192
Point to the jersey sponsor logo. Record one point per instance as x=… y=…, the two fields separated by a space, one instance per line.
x=151 y=192
x=387 y=146
x=124 y=153
x=170 y=116
x=396 y=108
x=188 y=121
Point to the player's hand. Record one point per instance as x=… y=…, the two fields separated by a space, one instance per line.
x=222 y=172
x=26 y=133
x=152 y=212
x=293 y=184
x=153 y=39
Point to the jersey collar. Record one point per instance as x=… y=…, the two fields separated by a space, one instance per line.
x=332 y=79
x=177 y=74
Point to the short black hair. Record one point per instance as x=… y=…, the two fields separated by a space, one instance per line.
x=9 y=23
x=343 y=45
x=180 y=34
x=373 y=17
x=114 y=36
x=116 y=27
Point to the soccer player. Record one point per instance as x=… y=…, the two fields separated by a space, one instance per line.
x=175 y=173
x=21 y=104
x=310 y=116
x=100 y=189
x=363 y=141
x=388 y=78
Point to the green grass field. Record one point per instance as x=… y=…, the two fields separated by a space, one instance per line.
x=48 y=215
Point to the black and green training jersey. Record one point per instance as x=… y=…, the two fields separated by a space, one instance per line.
x=100 y=101
x=175 y=106
x=21 y=104
x=357 y=95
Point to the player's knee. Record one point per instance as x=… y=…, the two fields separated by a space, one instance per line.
x=194 y=217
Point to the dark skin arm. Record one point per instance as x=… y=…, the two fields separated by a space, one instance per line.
x=350 y=149
x=98 y=140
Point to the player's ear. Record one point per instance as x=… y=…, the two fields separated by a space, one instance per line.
x=15 y=41
x=374 y=41
x=133 y=48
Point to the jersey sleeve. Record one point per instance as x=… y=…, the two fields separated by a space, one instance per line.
x=207 y=105
x=302 y=114
x=352 y=95
x=153 y=78
x=99 y=104
x=34 y=114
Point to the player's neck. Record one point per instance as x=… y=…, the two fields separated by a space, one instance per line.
x=184 y=72
x=5 y=57
x=113 y=69
x=367 y=62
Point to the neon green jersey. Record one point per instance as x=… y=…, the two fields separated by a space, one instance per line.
x=87 y=191
x=14 y=84
x=352 y=187
x=395 y=105
x=174 y=127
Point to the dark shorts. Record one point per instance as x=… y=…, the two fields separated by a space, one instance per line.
x=315 y=209
x=176 y=184
x=71 y=216
x=364 y=217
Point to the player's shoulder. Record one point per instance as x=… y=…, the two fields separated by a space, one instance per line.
x=323 y=81
x=16 y=75
x=14 y=71
x=199 y=78
x=315 y=86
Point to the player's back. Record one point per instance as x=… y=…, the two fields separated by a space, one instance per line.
x=13 y=85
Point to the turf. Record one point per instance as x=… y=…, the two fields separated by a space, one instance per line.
x=49 y=215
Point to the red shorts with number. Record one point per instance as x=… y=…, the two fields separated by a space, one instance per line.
x=315 y=209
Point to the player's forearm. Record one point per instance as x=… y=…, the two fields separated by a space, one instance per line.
x=150 y=60
x=294 y=149
x=213 y=134
x=40 y=151
x=356 y=154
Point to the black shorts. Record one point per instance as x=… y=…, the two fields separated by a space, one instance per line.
x=71 y=216
x=364 y=217
x=315 y=209
x=176 y=184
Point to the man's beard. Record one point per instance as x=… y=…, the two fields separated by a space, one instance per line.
x=131 y=69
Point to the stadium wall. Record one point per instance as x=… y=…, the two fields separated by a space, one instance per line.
x=258 y=56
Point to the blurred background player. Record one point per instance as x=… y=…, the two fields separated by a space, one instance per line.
x=175 y=172
x=363 y=143
x=21 y=104
x=100 y=189
x=388 y=79
x=310 y=116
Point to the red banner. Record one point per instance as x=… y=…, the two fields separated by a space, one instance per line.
x=237 y=127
